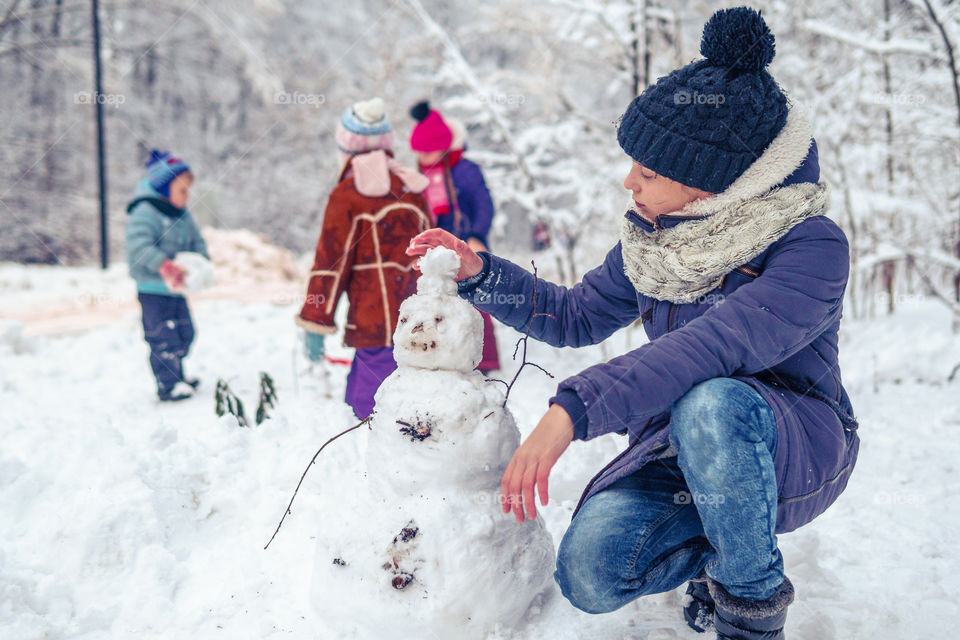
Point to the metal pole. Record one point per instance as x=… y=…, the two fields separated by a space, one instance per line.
x=101 y=152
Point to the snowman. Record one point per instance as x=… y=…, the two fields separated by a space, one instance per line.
x=422 y=548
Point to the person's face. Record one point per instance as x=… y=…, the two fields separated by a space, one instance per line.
x=180 y=190
x=655 y=195
x=427 y=159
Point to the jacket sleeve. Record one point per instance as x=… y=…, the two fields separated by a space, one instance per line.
x=601 y=303
x=197 y=243
x=143 y=230
x=478 y=203
x=332 y=267
x=798 y=295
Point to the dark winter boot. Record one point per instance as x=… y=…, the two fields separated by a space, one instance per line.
x=744 y=619
x=180 y=391
x=193 y=382
x=698 y=611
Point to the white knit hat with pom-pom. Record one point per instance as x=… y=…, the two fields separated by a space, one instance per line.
x=364 y=126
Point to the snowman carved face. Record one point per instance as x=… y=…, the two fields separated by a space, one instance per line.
x=437 y=332
x=436 y=329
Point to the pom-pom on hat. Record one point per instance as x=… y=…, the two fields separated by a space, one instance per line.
x=703 y=125
x=162 y=169
x=364 y=126
x=431 y=133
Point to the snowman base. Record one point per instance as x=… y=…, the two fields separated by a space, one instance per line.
x=393 y=575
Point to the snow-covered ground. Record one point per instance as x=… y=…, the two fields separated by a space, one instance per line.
x=122 y=518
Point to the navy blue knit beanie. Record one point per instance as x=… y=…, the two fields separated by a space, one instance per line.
x=162 y=169
x=703 y=125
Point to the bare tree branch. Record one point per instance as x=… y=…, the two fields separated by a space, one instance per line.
x=472 y=81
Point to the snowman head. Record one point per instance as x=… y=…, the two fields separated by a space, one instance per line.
x=438 y=330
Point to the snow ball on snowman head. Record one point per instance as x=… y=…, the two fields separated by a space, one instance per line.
x=438 y=330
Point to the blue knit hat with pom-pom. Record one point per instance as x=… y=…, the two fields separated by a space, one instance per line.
x=162 y=169
x=703 y=125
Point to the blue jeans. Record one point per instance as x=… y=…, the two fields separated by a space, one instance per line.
x=713 y=506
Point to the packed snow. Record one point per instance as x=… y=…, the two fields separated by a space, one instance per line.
x=199 y=273
x=126 y=518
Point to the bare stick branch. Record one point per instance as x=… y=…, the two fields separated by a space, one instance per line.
x=503 y=382
x=525 y=338
x=953 y=374
x=290 y=504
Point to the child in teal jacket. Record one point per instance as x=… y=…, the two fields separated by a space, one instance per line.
x=159 y=227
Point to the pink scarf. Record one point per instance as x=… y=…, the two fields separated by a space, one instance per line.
x=436 y=191
x=371 y=174
x=441 y=187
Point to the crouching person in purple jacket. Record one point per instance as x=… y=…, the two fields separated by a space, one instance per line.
x=739 y=427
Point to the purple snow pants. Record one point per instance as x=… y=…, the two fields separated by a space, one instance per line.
x=370 y=368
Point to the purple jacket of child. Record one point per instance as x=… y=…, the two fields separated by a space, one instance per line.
x=473 y=197
x=772 y=323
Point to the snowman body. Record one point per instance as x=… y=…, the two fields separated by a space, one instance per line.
x=425 y=550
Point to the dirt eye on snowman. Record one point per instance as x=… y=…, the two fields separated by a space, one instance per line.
x=402 y=580
x=403 y=320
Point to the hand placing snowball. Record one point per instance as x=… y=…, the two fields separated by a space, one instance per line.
x=470 y=263
x=173 y=275
x=531 y=464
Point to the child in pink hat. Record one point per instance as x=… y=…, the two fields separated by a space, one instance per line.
x=457 y=193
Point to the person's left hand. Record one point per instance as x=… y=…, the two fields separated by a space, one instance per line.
x=531 y=463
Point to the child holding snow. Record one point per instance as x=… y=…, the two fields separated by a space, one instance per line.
x=160 y=227
x=370 y=218
x=739 y=427
x=457 y=193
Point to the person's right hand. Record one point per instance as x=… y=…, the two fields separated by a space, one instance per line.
x=173 y=275
x=470 y=263
x=530 y=466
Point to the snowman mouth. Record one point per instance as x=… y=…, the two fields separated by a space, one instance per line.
x=424 y=345
x=400 y=550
